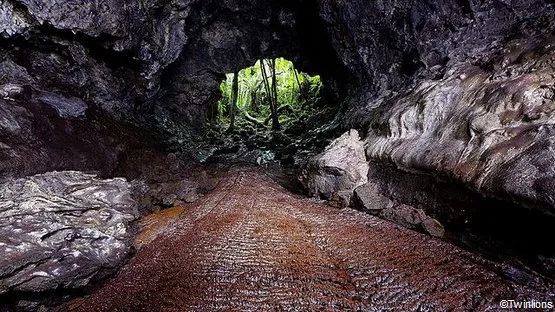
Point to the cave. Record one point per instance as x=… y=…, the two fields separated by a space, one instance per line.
x=384 y=155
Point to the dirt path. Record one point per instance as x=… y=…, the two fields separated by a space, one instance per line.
x=252 y=246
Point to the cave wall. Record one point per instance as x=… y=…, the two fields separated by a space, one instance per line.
x=224 y=36
x=150 y=57
x=93 y=66
x=465 y=128
x=490 y=128
x=460 y=90
x=474 y=104
x=386 y=44
x=157 y=64
x=66 y=84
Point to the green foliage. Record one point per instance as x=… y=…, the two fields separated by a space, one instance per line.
x=296 y=90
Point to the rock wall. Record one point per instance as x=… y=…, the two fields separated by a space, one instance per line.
x=386 y=44
x=488 y=127
x=59 y=231
x=156 y=64
x=454 y=88
x=465 y=129
x=115 y=55
x=456 y=100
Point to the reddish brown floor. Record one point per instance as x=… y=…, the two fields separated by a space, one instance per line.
x=251 y=246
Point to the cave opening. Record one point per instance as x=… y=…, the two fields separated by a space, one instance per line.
x=270 y=113
x=271 y=94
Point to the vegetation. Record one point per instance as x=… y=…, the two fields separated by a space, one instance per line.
x=271 y=91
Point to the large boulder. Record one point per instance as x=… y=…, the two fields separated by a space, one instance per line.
x=336 y=172
x=368 y=198
x=59 y=231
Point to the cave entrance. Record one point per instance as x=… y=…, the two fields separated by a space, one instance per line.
x=269 y=112
x=270 y=95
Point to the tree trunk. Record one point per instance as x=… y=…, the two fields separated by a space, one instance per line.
x=234 y=95
x=265 y=80
x=274 y=102
x=254 y=101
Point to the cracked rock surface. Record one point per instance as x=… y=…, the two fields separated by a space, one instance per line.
x=59 y=230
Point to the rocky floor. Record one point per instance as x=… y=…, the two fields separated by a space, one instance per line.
x=250 y=245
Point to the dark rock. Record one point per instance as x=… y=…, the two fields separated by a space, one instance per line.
x=9 y=90
x=154 y=196
x=519 y=276
x=65 y=107
x=60 y=230
x=404 y=215
x=157 y=63
x=386 y=44
x=367 y=198
x=165 y=59
x=548 y=265
x=190 y=197
x=35 y=138
x=337 y=171
x=206 y=183
x=433 y=227
x=14 y=74
x=11 y=21
x=168 y=199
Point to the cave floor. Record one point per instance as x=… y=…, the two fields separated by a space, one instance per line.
x=250 y=245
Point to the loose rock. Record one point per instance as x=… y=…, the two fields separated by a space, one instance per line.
x=433 y=227
x=404 y=215
x=338 y=170
x=367 y=198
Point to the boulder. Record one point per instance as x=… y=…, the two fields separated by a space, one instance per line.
x=10 y=90
x=433 y=227
x=367 y=198
x=155 y=196
x=337 y=171
x=404 y=215
x=59 y=231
